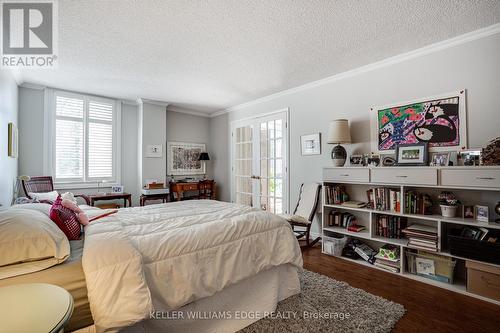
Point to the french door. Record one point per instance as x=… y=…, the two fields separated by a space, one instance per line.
x=260 y=162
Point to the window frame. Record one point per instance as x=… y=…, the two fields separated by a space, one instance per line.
x=49 y=155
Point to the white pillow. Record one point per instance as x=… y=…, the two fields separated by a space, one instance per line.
x=28 y=235
x=38 y=206
x=50 y=196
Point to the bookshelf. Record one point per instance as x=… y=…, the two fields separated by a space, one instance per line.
x=472 y=185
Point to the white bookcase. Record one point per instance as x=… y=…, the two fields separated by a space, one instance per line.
x=472 y=185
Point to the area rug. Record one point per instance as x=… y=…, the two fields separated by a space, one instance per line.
x=328 y=305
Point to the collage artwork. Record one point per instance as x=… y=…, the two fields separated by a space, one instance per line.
x=436 y=122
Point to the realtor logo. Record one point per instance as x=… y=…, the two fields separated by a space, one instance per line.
x=28 y=33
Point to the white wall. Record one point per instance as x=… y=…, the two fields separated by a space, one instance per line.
x=8 y=114
x=154 y=122
x=474 y=65
x=219 y=154
x=130 y=161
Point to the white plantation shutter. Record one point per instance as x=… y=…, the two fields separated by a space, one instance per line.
x=100 y=142
x=85 y=131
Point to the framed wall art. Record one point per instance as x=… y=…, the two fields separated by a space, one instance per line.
x=439 y=121
x=182 y=158
x=310 y=144
x=12 y=149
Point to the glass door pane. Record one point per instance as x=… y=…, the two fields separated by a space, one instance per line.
x=243 y=154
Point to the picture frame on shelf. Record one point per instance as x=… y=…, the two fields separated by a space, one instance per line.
x=481 y=213
x=415 y=154
x=468 y=211
x=310 y=144
x=356 y=160
x=469 y=157
x=440 y=159
x=439 y=120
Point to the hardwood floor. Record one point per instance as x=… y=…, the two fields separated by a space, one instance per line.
x=428 y=308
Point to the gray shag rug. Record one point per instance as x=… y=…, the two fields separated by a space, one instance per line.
x=328 y=305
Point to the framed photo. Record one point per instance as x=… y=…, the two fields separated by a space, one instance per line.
x=356 y=160
x=440 y=159
x=481 y=213
x=468 y=212
x=12 y=147
x=117 y=189
x=469 y=157
x=182 y=158
x=438 y=120
x=310 y=144
x=411 y=154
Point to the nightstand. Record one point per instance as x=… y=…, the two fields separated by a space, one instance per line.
x=34 y=307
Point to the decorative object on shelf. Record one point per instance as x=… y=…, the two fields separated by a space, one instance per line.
x=468 y=211
x=204 y=158
x=310 y=144
x=469 y=157
x=497 y=210
x=117 y=189
x=12 y=146
x=388 y=161
x=482 y=213
x=154 y=151
x=449 y=204
x=412 y=154
x=356 y=160
x=339 y=133
x=438 y=120
x=183 y=158
x=374 y=160
x=491 y=153
x=440 y=159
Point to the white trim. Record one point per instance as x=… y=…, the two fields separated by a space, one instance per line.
x=190 y=112
x=32 y=86
x=153 y=102
x=442 y=45
x=48 y=131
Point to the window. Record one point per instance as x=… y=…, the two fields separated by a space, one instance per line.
x=84 y=139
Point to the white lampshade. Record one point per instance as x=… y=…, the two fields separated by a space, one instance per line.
x=339 y=132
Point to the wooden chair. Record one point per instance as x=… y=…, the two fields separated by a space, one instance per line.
x=303 y=215
x=44 y=184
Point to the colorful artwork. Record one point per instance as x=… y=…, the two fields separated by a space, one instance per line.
x=438 y=122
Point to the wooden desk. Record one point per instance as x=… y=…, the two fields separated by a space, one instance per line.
x=110 y=196
x=204 y=190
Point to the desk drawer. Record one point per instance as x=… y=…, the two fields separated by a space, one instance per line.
x=401 y=175
x=190 y=187
x=361 y=175
x=470 y=178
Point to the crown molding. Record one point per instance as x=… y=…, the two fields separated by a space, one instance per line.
x=432 y=48
x=152 y=101
x=32 y=86
x=129 y=102
x=190 y=112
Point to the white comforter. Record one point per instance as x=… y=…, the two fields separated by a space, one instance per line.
x=162 y=257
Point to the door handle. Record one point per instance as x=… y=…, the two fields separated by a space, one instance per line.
x=255 y=177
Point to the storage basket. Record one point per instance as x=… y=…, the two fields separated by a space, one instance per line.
x=475 y=249
x=334 y=245
x=443 y=271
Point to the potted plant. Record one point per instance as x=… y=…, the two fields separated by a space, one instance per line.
x=449 y=204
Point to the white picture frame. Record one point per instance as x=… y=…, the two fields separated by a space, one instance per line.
x=310 y=144
x=481 y=213
x=182 y=158
x=462 y=114
x=440 y=159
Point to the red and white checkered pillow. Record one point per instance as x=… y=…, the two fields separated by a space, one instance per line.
x=65 y=219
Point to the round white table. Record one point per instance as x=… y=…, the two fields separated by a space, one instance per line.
x=34 y=307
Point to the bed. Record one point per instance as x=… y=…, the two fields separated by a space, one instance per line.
x=143 y=264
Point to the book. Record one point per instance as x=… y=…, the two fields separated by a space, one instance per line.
x=356 y=228
x=354 y=204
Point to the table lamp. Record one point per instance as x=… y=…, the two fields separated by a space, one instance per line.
x=339 y=133
x=204 y=158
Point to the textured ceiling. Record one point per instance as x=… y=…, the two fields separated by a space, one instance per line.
x=207 y=55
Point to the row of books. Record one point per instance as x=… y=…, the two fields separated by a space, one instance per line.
x=335 y=195
x=422 y=237
x=384 y=199
x=390 y=226
x=417 y=203
x=343 y=220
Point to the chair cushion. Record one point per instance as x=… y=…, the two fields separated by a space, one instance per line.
x=65 y=219
x=44 y=196
x=295 y=219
